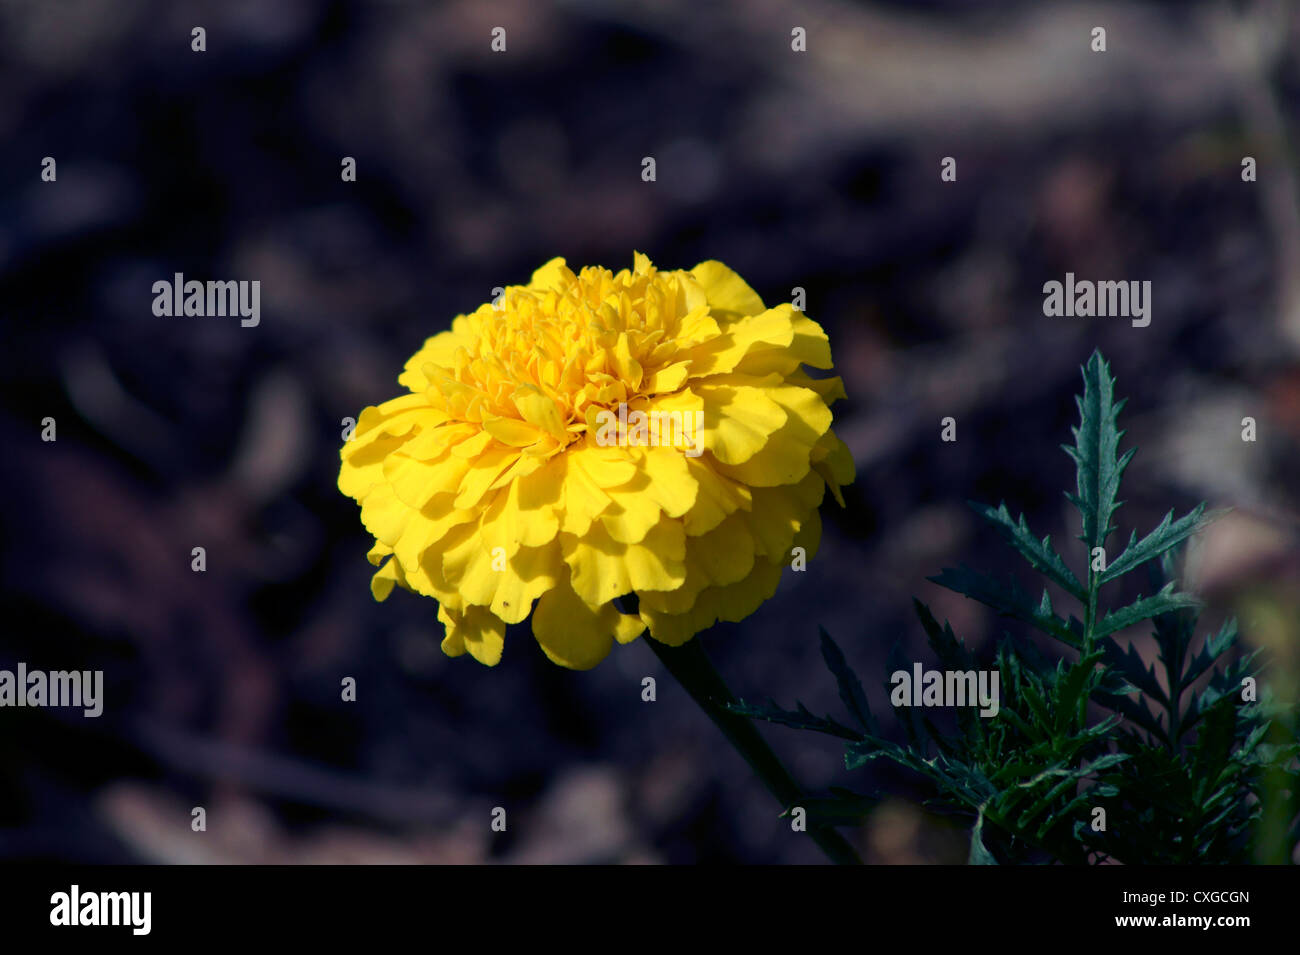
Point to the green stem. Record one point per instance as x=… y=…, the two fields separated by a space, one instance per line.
x=1090 y=614
x=689 y=664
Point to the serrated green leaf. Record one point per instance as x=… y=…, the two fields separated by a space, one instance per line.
x=952 y=653
x=1037 y=704
x=1071 y=697
x=1136 y=671
x=1009 y=600
x=1039 y=553
x=1215 y=647
x=857 y=754
x=1168 y=534
x=1063 y=814
x=800 y=719
x=1144 y=608
x=1114 y=683
x=907 y=715
x=850 y=687
x=1026 y=729
x=1098 y=469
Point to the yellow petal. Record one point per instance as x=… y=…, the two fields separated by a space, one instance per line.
x=786 y=455
x=717 y=497
x=554 y=274
x=721 y=354
x=416 y=483
x=508 y=524
x=573 y=635
x=483 y=471
x=834 y=462
x=668 y=378
x=512 y=431
x=384 y=515
x=467 y=564
x=477 y=630
x=726 y=290
x=807 y=344
x=779 y=512
x=603 y=568
x=662 y=485
x=723 y=556
x=540 y=411
x=738 y=419
x=529 y=574
x=381 y=584
x=439 y=350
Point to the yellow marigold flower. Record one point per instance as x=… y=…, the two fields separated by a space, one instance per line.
x=520 y=469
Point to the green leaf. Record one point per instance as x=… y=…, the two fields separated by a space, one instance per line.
x=1225 y=683
x=851 y=692
x=1029 y=730
x=913 y=726
x=979 y=853
x=1009 y=600
x=1144 y=608
x=1214 y=648
x=1213 y=747
x=1071 y=696
x=1039 y=553
x=1096 y=445
x=863 y=751
x=1141 y=675
x=952 y=653
x=1169 y=533
x=800 y=719
x=1037 y=702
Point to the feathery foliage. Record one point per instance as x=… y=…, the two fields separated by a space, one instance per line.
x=1098 y=754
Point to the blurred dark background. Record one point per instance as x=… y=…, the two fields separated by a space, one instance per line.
x=817 y=169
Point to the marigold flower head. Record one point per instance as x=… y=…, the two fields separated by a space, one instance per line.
x=596 y=435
